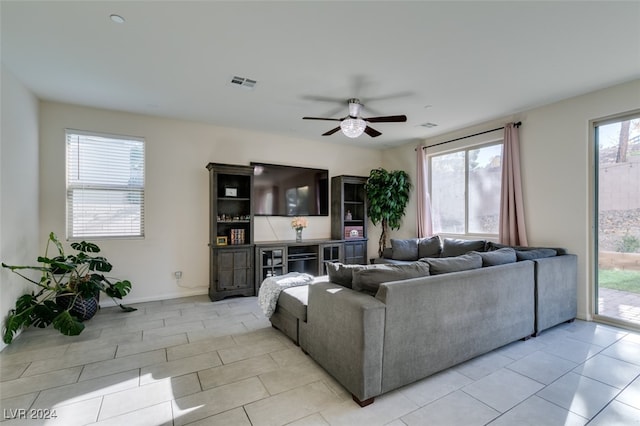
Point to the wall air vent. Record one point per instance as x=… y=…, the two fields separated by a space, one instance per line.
x=245 y=83
x=428 y=125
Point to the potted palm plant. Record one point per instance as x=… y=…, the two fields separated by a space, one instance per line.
x=387 y=198
x=67 y=292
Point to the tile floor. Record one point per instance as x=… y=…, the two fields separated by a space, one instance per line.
x=190 y=361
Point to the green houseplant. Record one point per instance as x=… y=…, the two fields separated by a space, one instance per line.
x=67 y=292
x=387 y=197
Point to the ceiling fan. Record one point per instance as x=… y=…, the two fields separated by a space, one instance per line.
x=354 y=125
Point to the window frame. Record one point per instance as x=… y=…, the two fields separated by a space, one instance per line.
x=464 y=146
x=594 y=224
x=69 y=187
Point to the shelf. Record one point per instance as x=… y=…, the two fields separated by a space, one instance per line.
x=230 y=246
x=309 y=256
x=349 y=199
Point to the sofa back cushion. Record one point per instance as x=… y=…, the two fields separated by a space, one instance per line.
x=455 y=247
x=537 y=253
x=464 y=262
x=340 y=274
x=368 y=279
x=405 y=249
x=495 y=246
x=429 y=247
x=497 y=257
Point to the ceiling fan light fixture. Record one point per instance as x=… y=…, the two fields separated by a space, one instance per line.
x=117 y=18
x=353 y=127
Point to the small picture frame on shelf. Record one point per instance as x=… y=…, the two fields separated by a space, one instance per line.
x=221 y=241
x=230 y=191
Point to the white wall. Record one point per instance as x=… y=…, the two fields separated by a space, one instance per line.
x=176 y=209
x=556 y=146
x=19 y=223
x=558 y=173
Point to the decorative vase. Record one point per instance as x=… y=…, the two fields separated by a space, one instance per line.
x=84 y=308
x=298 y=235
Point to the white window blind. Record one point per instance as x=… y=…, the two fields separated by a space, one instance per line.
x=105 y=185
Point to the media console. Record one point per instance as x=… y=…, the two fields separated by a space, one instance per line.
x=280 y=257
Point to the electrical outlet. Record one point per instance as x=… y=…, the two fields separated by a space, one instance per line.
x=177 y=274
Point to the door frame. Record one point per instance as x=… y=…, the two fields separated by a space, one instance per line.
x=593 y=219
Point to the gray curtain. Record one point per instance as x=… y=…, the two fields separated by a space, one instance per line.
x=425 y=223
x=512 y=224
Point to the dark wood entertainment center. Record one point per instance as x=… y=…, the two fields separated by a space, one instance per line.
x=238 y=265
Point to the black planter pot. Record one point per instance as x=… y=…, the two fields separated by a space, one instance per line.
x=83 y=308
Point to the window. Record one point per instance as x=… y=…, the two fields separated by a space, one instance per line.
x=465 y=190
x=105 y=185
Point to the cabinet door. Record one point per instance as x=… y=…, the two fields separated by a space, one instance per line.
x=234 y=269
x=330 y=253
x=355 y=252
x=270 y=262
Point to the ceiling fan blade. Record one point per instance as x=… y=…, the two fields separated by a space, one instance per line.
x=322 y=118
x=389 y=96
x=330 y=132
x=372 y=132
x=323 y=99
x=387 y=119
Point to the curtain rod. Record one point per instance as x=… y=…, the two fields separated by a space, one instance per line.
x=518 y=124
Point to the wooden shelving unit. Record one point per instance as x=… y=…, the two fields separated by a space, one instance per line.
x=230 y=231
x=349 y=216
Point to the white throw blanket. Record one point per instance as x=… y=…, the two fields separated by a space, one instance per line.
x=272 y=286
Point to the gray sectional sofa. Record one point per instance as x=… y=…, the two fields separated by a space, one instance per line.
x=554 y=268
x=378 y=327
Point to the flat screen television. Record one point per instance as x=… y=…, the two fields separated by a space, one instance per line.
x=280 y=190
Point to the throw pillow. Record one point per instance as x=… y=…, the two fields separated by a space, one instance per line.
x=340 y=274
x=464 y=262
x=497 y=257
x=455 y=247
x=404 y=249
x=535 y=253
x=369 y=279
x=429 y=247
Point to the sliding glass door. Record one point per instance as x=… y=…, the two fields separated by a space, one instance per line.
x=618 y=220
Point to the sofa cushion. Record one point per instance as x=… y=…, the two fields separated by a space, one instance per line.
x=406 y=249
x=368 y=279
x=429 y=247
x=379 y=260
x=537 y=253
x=455 y=247
x=453 y=264
x=495 y=246
x=497 y=257
x=295 y=300
x=340 y=273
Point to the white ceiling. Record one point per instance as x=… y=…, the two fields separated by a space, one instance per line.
x=454 y=64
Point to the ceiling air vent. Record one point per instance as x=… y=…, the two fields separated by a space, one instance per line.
x=245 y=83
x=428 y=125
